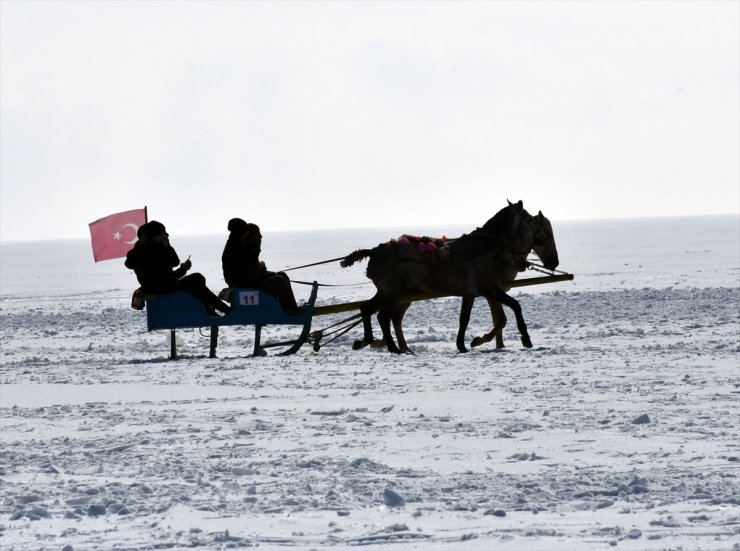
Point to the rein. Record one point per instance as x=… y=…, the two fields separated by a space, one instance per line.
x=322 y=284
x=540 y=268
x=314 y=264
x=532 y=221
x=329 y=284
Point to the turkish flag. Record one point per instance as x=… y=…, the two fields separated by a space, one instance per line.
x=115 y=235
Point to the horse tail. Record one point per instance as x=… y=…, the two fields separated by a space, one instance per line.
x=351 y=258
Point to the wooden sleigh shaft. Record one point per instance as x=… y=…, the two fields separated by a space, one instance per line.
x=525 y=282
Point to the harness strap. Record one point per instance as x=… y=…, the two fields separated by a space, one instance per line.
x=329 y=284
x=316 y=336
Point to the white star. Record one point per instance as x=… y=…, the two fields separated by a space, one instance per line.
x=117 y=235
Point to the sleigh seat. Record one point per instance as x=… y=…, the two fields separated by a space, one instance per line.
x=180 y=310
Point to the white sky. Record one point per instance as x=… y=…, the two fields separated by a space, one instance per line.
x=339 y=114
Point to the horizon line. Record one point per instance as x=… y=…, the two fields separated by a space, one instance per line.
x=361 y=228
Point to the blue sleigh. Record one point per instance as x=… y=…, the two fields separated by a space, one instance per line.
x=180 y=310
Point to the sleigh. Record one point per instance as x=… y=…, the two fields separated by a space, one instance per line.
x=180 y=310
x=253 y=307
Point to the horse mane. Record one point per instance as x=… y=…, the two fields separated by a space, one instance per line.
x=502 y=217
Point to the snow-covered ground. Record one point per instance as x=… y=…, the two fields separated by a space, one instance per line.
x=619 y=429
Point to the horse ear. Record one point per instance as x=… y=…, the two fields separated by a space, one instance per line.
x=540 y=214
x=510 y=203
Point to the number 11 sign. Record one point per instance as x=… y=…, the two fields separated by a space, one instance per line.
x=249 y=298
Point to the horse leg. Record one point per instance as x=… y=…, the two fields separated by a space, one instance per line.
x=465 y=309
x=397 y=320
x=499 y=322
x=384 y=319
x=512 y=303
x=367 y=309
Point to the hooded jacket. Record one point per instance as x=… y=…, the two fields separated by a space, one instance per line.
x=153 y=264
x=241 y=264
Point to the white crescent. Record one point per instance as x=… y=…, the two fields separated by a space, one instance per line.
x=133 y=227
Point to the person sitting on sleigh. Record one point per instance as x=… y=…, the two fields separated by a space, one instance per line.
x=243 y=268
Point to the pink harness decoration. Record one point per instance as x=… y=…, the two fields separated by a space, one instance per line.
x=430 y=248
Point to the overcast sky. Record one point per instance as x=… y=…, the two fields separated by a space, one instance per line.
x=364 y=114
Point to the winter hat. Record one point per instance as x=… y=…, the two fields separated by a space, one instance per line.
x=237 y=226
x=153 y=229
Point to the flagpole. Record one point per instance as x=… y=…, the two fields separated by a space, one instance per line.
x=146 y=215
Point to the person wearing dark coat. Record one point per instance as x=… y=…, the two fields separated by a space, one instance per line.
x=153 y=260
x=244 y=269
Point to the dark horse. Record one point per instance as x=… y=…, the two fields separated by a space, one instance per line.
x=472 y=265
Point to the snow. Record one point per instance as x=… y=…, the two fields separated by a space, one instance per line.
x=619 y=429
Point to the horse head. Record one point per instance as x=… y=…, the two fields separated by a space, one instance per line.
x=526 y=231
x=543 y=241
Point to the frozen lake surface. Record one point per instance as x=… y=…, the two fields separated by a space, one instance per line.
x=619 y=429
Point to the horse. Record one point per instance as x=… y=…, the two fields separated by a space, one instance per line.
x=497 y=315
x=472 y=265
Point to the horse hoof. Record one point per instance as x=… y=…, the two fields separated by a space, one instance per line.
x=477 y=341
x=393 y=348
x=526 y=341
x=316 y=340
x=462 y=350
x=359 y=345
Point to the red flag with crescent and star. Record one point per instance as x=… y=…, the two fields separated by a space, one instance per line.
x=115 y=235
